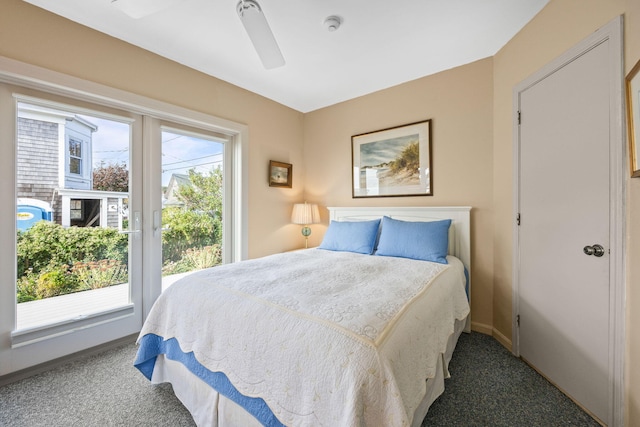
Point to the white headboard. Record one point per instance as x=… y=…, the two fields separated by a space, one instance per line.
x=459 y=233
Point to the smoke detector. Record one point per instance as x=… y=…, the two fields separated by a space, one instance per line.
x=332 y=23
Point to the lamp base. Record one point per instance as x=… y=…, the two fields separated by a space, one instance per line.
x=306 y=232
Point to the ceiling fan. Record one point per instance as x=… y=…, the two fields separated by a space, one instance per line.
x=249 y=11
x=260 y=33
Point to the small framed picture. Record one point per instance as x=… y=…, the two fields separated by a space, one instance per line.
x=280 y=174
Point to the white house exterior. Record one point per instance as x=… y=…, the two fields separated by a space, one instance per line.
x=176 y=181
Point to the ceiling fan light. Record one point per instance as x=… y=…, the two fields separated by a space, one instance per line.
x=260 y=34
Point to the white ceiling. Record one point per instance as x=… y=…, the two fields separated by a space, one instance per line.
x=381 y=43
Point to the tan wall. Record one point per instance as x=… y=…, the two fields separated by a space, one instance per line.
x=459 y=103
x=462 y=141
x=32 y=35
x=559 y=26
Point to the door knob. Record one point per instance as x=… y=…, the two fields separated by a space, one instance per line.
x=595 y=250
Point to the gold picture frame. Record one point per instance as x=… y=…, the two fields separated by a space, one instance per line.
x=633 y=118
x=280 y=174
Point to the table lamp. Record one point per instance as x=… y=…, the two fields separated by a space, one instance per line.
x=305 y=214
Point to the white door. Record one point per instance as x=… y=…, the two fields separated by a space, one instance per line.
x=563 y=240
x=68 y=287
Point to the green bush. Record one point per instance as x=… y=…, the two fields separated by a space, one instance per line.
x=99 y=274
x=50 y=282
x=27 y=287
x=196 y=224
x=56 y=281
x=46 y=251
x=47 y=243
x=99 y=256
x=187 y=230
x=60 y=280
x=209 y=256
x=194 y=259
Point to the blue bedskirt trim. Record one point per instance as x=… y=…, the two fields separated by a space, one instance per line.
x=152 y=345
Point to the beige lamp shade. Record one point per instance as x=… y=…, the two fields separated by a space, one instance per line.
x=305 y=213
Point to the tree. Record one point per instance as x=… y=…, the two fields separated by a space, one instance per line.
x=198 y=223
x=111 y=177
x=204 y=194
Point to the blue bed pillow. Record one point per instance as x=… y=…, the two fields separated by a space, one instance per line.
x=427 y=241
x=351 y=236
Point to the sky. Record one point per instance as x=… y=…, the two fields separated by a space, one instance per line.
x=179 y=152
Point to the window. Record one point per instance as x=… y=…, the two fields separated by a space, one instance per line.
x=76 y=209
x=75 y=156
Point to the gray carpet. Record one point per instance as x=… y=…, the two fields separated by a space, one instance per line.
x=101 y=390
x=489 y=387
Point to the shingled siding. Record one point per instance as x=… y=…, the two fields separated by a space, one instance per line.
x=112 y=216
x=37 y=162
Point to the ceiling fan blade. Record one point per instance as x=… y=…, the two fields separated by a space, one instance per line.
x=255 y=23
x=137 y=9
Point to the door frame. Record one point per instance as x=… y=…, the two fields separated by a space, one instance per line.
x=612 y=32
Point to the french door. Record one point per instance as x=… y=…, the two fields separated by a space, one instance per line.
x=77 y=220
x=105 y=204
x=71 y=275
x=190 y=190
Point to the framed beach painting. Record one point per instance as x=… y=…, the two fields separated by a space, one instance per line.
x=280 y=174
x=393 y=162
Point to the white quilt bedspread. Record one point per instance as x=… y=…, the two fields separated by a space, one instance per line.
x=325 y=338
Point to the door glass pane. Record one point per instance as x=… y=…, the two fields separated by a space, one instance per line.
x=72 y=188
x=192 y=199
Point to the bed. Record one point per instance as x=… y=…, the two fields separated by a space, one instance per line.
x=328 y=336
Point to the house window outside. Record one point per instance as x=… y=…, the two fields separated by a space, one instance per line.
x=75 y=156
x=76 y=209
